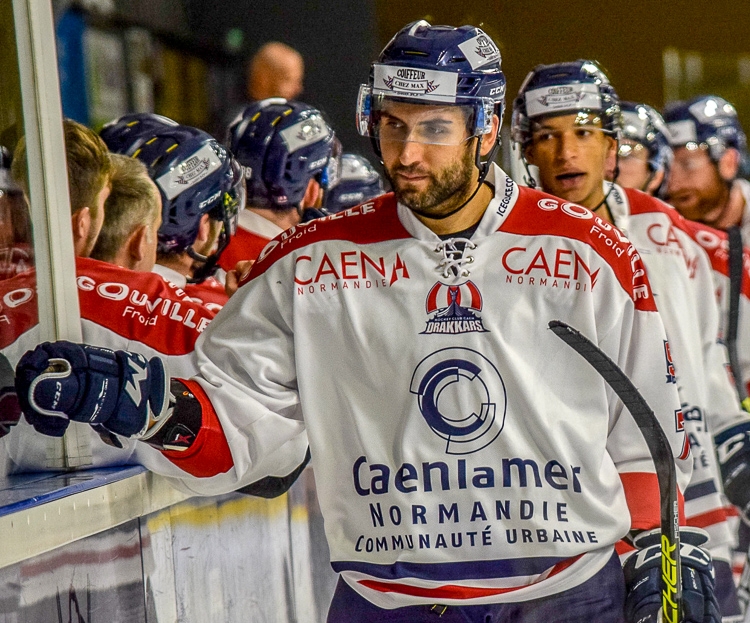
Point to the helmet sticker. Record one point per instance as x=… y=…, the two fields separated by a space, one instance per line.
x=682 y=132
x=304 y=133
x=707 y=110
x=480 y=51
x=416 y=83
x=189 y=172
x=553 y=99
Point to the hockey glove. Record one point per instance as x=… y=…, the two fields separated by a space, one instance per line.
x=733 y=450
x=118 y=391
x=643 y=579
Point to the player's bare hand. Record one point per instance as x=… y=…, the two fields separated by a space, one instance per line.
x=237 y=275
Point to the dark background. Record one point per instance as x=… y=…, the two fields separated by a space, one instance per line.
x=340 y=40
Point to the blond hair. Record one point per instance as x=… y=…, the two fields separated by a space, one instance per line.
x=132 y=203
x=88 y=162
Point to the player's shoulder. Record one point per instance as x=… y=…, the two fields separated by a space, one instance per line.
x=643 y=203
x=368 y=223
x=139 y=306
x=110 y=279
x=537 y=213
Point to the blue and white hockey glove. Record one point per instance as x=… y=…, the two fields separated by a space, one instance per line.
x=643 y=579
x=733 y=450
x=118 y=391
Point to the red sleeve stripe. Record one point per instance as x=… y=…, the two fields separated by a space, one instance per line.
x=708 y=518
x=642 y=495
x=715 y=243
x=210 y=454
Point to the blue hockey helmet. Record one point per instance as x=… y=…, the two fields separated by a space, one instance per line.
x=126 y=134
x=436 y=65
x=579 y=87
x=642 y=124
x=706 y=120
x=195 y=176
x=359 y=182
x=283 y=145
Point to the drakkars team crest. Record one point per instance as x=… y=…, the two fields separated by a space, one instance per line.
x=455 y=309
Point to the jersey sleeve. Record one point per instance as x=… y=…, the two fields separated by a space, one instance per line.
x=247 y=387
x=639 y=346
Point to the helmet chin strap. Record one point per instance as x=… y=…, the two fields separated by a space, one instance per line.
x=209 y=263
x=484 y=169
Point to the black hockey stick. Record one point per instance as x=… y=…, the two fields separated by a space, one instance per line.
x=733 y=315
x=661 y=454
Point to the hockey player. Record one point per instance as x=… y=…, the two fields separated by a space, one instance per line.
x=288 y=152
x=132 y=216
x=461 y=469
x=710 y=153
x=567 y=119
x=644 y=153
x=358 y=182
x=710 y=150
x=120 y=308
x=198 y=217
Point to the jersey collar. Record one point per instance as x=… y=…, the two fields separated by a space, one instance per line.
x=498 y=209
x=619 y=205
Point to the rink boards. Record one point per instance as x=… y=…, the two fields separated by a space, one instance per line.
x=119 y=546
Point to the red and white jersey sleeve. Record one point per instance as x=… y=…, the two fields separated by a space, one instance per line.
x=463 y=453
x=681 y=277
x=120 y=309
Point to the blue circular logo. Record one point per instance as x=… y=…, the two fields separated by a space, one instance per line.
x=462 y=398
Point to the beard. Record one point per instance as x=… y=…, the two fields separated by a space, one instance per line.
x=445 y=191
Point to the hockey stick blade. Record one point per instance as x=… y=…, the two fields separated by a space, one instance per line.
x=661 y=454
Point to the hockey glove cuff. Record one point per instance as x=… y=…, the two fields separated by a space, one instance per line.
x=118 y=391
x=643 y=579
x=733 y=450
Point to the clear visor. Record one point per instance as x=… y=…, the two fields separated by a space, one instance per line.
x=385 y=117
x=583 y=122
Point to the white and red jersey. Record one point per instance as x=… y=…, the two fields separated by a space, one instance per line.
x=716 y=244
x=253 y=233
x=120 y=309
x=210 y=293
x=680 y=274
x=463 y=454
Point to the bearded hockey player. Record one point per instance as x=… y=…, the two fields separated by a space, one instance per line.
x=710 y=151
x=644 y=154
x=290 y=156
x=567 y=119
x=462 y=469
